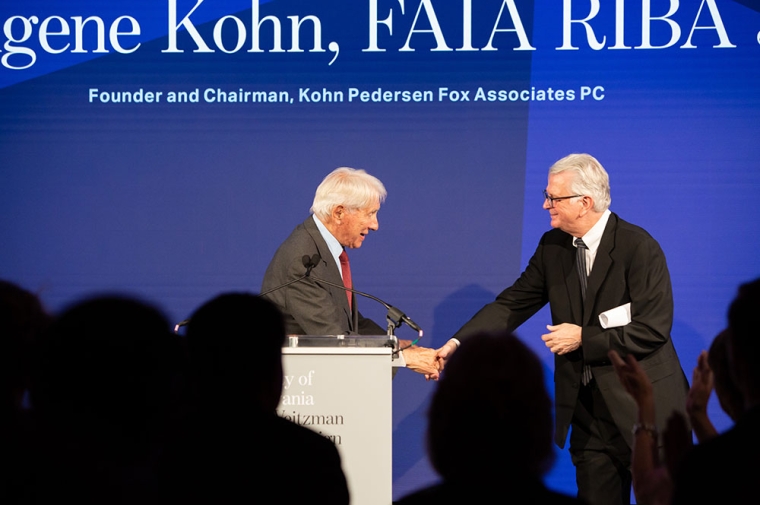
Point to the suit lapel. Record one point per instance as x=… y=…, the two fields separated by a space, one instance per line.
x=330 y=269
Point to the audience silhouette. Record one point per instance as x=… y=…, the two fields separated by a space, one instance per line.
x=651 y=477
x=724 y=469
x=107 y=424
x=490 y=427
x=234 y=447
x=22 y=320
x=713 y=371
x=718 y=368
x=103 y=398
x=655 y=460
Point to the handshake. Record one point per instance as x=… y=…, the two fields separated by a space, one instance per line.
x=424 y=360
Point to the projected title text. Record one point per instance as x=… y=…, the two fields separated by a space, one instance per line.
x=26 y=36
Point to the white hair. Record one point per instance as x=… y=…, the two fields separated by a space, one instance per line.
x=352 y=188
x=590 y=179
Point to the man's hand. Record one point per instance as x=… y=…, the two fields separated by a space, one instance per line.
x=421 y=360
x=702 y=381
x=701 y=387
x=636 y=382
x=441 y=355
x=563 y=338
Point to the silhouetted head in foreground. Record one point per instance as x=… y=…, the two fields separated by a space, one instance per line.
x=107 y=374
x=491 y=415
x=744 y=341
x=235 y=346
x=22 y=321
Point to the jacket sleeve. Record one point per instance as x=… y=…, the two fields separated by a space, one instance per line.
x=515 y=304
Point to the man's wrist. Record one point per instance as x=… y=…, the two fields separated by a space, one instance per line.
x=646 y=428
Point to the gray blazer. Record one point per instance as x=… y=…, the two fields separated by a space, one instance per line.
x=308 y=306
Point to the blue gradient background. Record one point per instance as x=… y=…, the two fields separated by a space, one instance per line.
x=177 y=203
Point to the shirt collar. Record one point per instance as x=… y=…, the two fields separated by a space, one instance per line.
x=332 y=242
x=593 y=237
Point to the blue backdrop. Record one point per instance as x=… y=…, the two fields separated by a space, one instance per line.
x=459 y=107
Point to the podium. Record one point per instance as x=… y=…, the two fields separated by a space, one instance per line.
x=340 y=387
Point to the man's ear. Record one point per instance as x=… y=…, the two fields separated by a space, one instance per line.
x=337 y=213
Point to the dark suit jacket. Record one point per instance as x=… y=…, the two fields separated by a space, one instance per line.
x=629 y=267
x=308 y=306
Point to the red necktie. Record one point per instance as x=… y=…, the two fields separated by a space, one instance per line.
x=346 y=271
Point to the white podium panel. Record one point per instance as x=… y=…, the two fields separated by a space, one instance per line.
x=344 y=393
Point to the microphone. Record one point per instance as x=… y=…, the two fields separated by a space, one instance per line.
x=308 y=262
x=395 y=316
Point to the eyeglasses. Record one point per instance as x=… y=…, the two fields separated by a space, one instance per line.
x=552 y=199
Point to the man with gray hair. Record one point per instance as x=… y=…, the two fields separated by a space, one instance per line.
x=608 y=287
x=344 y=212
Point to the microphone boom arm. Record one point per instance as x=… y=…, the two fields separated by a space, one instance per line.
x=395 y=317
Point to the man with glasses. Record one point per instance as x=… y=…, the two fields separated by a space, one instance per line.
x=608 y=287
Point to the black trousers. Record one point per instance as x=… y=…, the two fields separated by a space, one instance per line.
x=599 y=452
